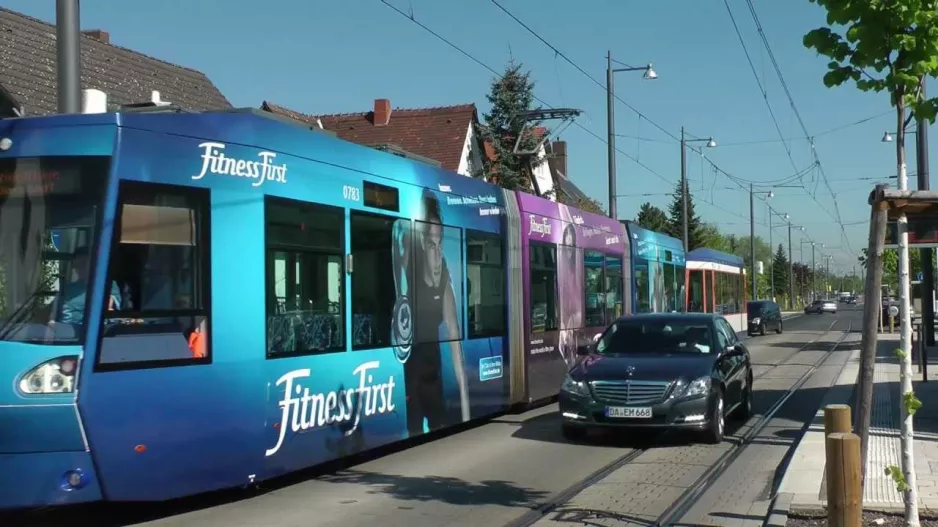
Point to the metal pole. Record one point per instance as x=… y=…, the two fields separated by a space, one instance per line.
x=827 y=277
x=813 y=274
x=611 y=116
x=752 y=242
x=685 y=237
x=771 y=263
x=68 y=55
x=791 y=273
x=928 y=274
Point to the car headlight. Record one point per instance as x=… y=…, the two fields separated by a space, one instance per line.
x=574 y=387
x=756 y=320
x=695 y=388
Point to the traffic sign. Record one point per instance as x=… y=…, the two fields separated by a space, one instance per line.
x=920 y=276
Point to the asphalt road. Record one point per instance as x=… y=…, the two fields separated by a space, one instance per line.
x=490 y=475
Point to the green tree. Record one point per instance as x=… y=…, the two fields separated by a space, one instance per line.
x=676 y=221
x=886 y=46
x=652 y=218
x=711 y=237
x=510 y=95
x=780 y=272
x=585 y=203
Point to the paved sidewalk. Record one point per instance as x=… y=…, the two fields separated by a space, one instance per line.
x=804 y=478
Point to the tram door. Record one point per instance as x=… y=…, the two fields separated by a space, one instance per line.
x=174 y=404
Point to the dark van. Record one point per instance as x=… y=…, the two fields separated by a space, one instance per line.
x=763 y=314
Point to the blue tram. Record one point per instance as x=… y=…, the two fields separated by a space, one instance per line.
x=191 y=302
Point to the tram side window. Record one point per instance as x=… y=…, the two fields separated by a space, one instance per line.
x=543 y=269
x=695 y=302
x=305 y=286
x=437 y=258
x=485 y=295
x=159 y=277
x=613 y=289
x=381 y=247
x=594 y=285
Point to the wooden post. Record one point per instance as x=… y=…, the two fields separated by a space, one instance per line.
x=844 y=491
x=872 y=311
x=837 y=419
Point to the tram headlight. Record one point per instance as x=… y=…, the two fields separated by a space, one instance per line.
x=53 y=376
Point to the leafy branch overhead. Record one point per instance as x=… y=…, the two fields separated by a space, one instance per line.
x=882 y=46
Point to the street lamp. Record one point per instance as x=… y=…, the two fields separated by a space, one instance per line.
x=649 y=74
x=888 y=136
x=752 y=236
x=772 y=266
x=710 y=144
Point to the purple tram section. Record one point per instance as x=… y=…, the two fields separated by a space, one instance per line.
x=575 y=267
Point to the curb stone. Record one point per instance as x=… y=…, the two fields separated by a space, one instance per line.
x=779 y=509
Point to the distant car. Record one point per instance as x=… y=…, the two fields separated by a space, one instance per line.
x=763 y=314
x=821 y=306
x=686 y=371
x=851 y=300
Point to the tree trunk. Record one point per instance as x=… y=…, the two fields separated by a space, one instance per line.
x=906 y=433
x=869 y=337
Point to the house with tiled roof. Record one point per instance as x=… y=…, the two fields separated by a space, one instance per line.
x=28 y=72
x=442 y=136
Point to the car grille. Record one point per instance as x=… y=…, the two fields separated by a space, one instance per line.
x=630 y=392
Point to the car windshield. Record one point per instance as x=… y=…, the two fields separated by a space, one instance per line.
x=48 y=208
x=628 y=337
x=755 y=308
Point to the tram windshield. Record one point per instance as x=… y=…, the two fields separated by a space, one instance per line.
x=48 y=210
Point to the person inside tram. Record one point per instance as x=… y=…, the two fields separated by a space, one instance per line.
x=70 y=300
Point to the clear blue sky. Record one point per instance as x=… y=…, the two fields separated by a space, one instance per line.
x=338 y=56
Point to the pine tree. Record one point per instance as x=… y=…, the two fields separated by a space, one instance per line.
x=652 y=218
x=676 y=225
x=780 y=272
x=510 y=95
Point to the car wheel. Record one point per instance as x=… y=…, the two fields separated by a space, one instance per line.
x=714 y=431
x=745 y=405
x=779 y=329
x=573 y=433
x=762 y=329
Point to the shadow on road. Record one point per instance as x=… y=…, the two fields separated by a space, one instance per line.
x=443 y=489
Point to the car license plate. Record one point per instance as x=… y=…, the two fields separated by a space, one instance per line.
x=628 y=413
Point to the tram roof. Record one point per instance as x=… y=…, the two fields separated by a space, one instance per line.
x=704 y=254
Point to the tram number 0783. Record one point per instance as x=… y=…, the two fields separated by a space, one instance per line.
x=351 y=193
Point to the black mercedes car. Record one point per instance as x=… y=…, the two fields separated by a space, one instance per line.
x=659 y=371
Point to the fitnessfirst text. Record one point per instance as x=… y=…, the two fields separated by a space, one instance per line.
x=542 y=227
x=302 y=410
x=214 y=161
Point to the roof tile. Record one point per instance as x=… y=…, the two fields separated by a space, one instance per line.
x=437 y=133
x=28 y=71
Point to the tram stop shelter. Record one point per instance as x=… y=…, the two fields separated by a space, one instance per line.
x=921 y=210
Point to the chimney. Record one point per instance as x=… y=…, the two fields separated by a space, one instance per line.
x=98 y=34
x=559 y=149
x=382 y=114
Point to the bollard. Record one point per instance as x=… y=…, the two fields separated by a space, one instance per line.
x=844 y=506
x=892 y=323
x=837 y=419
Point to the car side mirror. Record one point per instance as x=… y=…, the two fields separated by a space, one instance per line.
x=584 y=349
x=733 y=350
